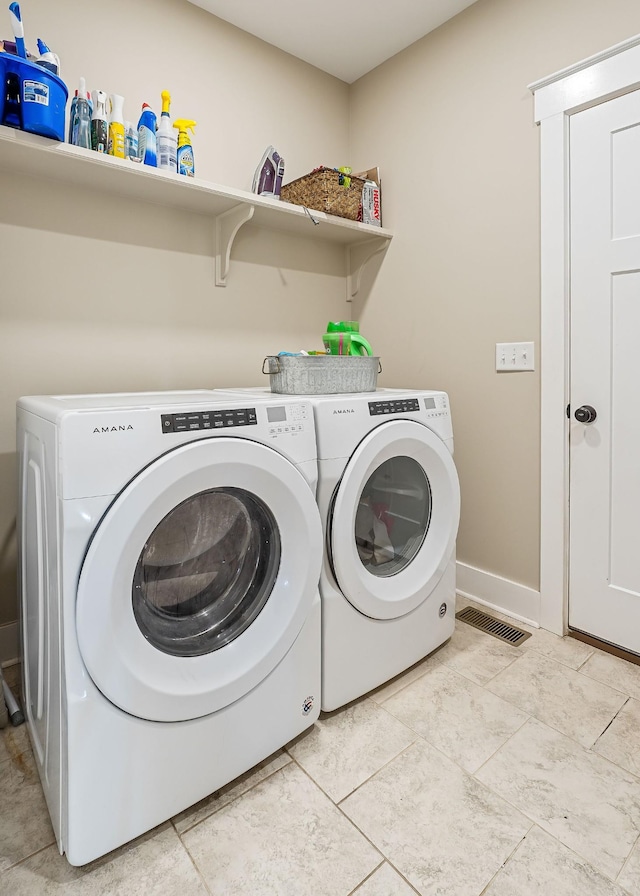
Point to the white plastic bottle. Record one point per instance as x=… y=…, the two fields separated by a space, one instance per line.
x=166 y=137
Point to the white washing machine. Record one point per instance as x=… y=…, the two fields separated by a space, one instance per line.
x=170 y=551
x=389 y=500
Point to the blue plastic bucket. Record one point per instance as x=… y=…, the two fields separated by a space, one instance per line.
x=31 y=97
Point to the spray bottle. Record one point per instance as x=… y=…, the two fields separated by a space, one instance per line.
x=81 y=127
x=185 y=161
x=147 y=136
x=131 y=141
x=72 y=115
x=99 y=127
x=116 y=126
x=166 y=136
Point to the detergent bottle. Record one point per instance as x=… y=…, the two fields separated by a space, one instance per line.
x=166 y=136
x=185 y=161
x=147 y=136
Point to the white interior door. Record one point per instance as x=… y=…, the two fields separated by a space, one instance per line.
x=604 y=559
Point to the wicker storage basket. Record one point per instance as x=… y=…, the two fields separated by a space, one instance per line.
x=321 y=374
x=322 y=190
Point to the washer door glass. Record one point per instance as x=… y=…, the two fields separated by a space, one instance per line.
x=198 y=578
x=393 y=515
x=206 y=572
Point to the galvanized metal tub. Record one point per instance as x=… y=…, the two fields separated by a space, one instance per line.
x=321 y=374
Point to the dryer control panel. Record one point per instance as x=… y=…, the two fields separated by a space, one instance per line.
x=195 y=420
x=396 y=406
x=287 y=418
x=436 y=406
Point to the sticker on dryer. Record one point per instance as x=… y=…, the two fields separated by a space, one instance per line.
x=35 y=92
x=307 y=705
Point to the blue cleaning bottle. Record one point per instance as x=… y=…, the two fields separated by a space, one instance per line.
x=81 y=125
x=147 y=136
x=72 y=116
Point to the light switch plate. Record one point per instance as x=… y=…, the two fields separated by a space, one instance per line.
x=512 y=356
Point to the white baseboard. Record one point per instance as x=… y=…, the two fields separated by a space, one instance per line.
x=9 y=650
x=496 y=593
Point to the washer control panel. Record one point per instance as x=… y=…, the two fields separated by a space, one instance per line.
x=195 y=420
x=395 y=406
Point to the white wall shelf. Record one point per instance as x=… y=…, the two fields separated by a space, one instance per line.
x=231 y=208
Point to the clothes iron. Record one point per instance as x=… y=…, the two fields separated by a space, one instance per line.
x=268 y=177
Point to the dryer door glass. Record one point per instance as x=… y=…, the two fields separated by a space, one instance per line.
x=206 y=572
x=393 y=515
x=391 y=535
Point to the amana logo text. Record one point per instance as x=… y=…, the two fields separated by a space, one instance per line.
x=344 y=411
x=113 y=428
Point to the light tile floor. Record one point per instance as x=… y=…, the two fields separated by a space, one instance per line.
x=485 y=769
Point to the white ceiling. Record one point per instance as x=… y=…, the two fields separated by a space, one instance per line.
x=346 y=38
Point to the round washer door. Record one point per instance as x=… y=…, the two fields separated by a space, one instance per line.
x=395 y=519
x=198 y=579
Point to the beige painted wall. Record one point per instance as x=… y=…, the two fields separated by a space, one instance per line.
x=100 y=294
x=450 y=123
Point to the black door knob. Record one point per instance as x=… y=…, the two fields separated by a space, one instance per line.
x=585 y=414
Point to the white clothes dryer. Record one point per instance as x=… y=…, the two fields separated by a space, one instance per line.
x=170 y=550
x=389 y=500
